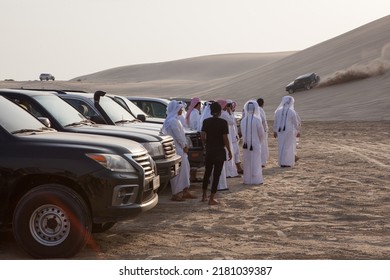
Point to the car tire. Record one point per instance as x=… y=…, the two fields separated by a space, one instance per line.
x=96 y=228
x=307 y=87
x=290 y=91
x=51 y=221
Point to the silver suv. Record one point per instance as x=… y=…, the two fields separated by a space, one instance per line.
x=46 y=77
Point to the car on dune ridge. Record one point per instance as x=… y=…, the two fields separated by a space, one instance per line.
x=307 y=81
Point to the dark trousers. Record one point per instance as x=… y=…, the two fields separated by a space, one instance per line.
x=210 y=163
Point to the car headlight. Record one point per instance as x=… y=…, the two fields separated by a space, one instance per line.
x=112 y=162
x=154 y=149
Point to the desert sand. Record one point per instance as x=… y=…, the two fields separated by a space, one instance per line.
x=334 y=204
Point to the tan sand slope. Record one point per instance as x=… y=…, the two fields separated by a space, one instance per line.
x=354 y=70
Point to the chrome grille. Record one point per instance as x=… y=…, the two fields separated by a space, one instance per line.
x=169 y=147
x=144 y=160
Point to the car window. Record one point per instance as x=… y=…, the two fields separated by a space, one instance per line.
x=14 y=118
x=159 y=110
x=121 y=102
x=82 y=107
x=115 y=111
x=126 y=103
x=134 y=108
x=63 y=112
x=27 y=105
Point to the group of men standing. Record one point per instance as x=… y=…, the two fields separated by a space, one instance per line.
x=217 y=123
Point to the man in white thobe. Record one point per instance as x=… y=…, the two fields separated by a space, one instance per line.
x=227 y=114
x=264 y=144
x=286 y=129
x=252 y=136
x=172 y=126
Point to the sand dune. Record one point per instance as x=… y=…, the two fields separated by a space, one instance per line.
x=354 y=70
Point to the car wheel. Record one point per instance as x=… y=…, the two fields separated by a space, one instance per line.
x=102 y=227
x=290 y=91
x=307 y=87
x=51 y=221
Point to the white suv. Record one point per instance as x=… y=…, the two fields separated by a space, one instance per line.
x=46 y=77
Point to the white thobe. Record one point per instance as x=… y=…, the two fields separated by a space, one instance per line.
x=230 y=166
x=194 y=119
x=287 y=137
x=264 y=143
x=253 y=134
x=181 y=180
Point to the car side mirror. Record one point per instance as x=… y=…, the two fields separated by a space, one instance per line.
x=45 y=121
x=141 y=117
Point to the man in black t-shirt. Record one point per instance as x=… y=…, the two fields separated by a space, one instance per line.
x=215 y=136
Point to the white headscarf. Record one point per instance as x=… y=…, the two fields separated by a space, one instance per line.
x=282 y=111
x=251 y=109
x=173 y=109
x=194 y=102
x=206 y=113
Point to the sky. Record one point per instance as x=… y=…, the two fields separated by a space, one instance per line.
x=71 y=38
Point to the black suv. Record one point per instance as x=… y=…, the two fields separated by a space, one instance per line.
x=63 y=117
x=307 y=81
x=56 y=188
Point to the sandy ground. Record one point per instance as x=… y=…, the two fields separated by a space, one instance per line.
x=334 y=204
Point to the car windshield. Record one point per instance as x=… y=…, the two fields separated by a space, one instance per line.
x=64 y=113
x=115 y=111
x=14 y=118
x=133 y=108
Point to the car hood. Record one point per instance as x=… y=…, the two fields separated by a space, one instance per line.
x=84 y=141
x=155 y=120
x=133 y=133
x=141 y=125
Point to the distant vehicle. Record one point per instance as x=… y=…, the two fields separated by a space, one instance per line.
x=307 y=81
x=46 y=77
x=57 y=187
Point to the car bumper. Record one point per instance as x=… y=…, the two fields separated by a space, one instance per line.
x=168 y=168
x=115 y=196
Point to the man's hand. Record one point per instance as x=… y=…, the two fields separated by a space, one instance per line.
x=230 y=155
x=185 y=149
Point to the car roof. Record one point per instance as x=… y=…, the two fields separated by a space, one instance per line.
x=28 y=92
x=305 y=75
x=74 y=93
x=148 y=98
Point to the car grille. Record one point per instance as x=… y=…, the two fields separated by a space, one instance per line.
x=169 y=147
x=145 y=161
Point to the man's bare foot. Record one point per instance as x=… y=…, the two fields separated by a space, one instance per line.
x=213 y=202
